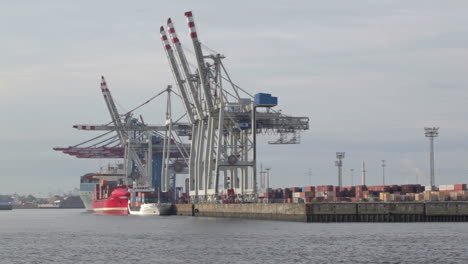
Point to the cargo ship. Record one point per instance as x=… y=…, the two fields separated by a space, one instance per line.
x=87 y=183
x=104 y=192
x=110 y=200
x=6 y=202
x=6 y=206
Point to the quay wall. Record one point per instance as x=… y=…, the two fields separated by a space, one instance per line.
x=183 y=209
x=285 y=212
x=334 y=212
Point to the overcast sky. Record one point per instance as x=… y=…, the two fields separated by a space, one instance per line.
x=369 y=74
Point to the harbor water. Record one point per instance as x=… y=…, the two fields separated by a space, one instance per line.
x=71 y=236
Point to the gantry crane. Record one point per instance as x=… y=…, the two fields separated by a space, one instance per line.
x=225 y=121
x=153 y=154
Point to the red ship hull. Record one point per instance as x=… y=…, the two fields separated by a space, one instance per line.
x=115 y=204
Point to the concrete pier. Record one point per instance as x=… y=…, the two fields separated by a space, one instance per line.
x=334 y=212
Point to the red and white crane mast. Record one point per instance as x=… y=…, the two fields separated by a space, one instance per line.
x=177 y=76
x=123 y=135
x=185 y=68
x=202 y=71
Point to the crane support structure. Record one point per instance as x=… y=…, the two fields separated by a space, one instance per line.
x=138 y=144
x=228 y=119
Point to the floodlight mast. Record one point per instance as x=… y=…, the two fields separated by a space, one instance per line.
x=339 y=163
x=431 y=133
x=363 y=173
x=383 y=172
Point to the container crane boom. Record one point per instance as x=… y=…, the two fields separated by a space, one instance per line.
x=176 y=73
x=123 y=136
x=183 y=63
x=112 y=110
x=202 y=71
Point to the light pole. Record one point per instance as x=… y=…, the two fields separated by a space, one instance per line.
x=383 y=172
x=431 y=133
x=267 y=178
x=363 y=173
x=339 y=163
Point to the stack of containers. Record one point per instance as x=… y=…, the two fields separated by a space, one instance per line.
x=348 y=192
x=97 y=192
x=443 y=196
x=360 y=191
x=279 y=194
x=295 y=189
x=379 y=188
x=384 y=196
x=450 y=187
x=287 y=194
x=309 y=196
x=336 y=190
x=410 y=188
x=371 y=195
x=396 y=197
x=105 y=191
x=395 y=188
x=419 y=188
x=310 y=189
x=326 y=192
x=418 y=197
x=431 y=196
x=463 y=195
x=300 y=197
x=410 y=196
x=454 y=196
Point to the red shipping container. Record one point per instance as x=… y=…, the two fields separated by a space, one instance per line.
x=460 y=187
x=360 y=188
x=325 y=188
x=359 y=194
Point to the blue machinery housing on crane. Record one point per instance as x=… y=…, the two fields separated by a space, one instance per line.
x=265 y=100
x=220 y=139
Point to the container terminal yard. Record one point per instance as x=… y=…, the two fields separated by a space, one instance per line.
x=213 y=146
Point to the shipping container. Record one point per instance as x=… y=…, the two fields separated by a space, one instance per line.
x=325 y=188
x=429 y=188
x=361 y=188
x=297 y=195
